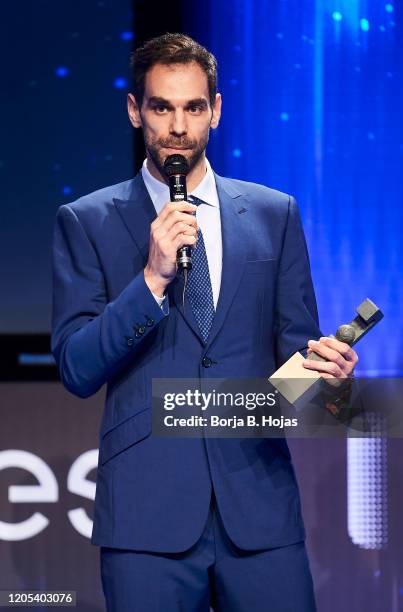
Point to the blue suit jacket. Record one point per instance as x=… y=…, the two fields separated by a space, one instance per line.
x=153 y=493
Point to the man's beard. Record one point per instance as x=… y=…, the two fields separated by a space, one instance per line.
x=197 y=148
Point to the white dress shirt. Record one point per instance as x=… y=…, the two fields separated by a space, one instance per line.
x=207 y=215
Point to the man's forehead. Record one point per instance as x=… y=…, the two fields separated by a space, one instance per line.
x=176 y=83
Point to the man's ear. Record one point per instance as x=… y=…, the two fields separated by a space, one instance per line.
x=134 y=112
x=215 y=118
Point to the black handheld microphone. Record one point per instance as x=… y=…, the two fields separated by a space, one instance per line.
x=176 y=169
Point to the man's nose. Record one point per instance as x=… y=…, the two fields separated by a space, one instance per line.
x=178 y=125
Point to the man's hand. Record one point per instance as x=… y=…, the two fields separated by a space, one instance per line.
x=172 y=229
x=341 y=358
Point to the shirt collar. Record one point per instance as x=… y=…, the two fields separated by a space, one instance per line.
x=206 y=190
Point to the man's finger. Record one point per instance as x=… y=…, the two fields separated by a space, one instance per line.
x=327 y=367
x=341 y=347
x=181 y=206
x=180 y=219
x=181 y=229
x=328 y=353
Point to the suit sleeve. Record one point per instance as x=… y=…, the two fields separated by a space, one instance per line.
x=296 y=317
x=92 y=339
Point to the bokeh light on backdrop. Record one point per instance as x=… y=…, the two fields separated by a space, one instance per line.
x=312 y=93
x=64 y=132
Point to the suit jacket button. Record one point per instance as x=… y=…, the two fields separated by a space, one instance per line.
x=150 y=322
x=141 y=330
x=129 y=341
x=206 y=362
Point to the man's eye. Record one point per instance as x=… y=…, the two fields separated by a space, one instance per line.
x=160 y=109
x=195 y=110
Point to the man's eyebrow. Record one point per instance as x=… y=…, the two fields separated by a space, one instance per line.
x=197 y=102
x=158 y=101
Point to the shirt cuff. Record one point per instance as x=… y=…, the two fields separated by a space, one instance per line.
x=158 y=299
x=162 y=303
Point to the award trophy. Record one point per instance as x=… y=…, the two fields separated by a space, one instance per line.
x=293 y=381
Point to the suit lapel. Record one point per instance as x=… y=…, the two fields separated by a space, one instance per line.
x=175 y=292
x=232 y=208
x=137 y=214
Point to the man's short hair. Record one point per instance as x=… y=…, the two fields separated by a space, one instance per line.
x=171 y=49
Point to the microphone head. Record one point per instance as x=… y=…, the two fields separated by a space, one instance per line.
x=176 y=164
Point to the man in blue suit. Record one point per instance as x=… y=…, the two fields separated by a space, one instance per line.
x=187 y=523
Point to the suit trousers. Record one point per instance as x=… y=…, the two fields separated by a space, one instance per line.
x=212 y=573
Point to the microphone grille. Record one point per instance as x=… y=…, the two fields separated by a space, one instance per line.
x=176 y=164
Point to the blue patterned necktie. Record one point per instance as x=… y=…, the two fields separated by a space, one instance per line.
x=199 y=291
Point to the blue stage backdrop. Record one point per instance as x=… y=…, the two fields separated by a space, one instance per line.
x=312 y=99
x=64 y=132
